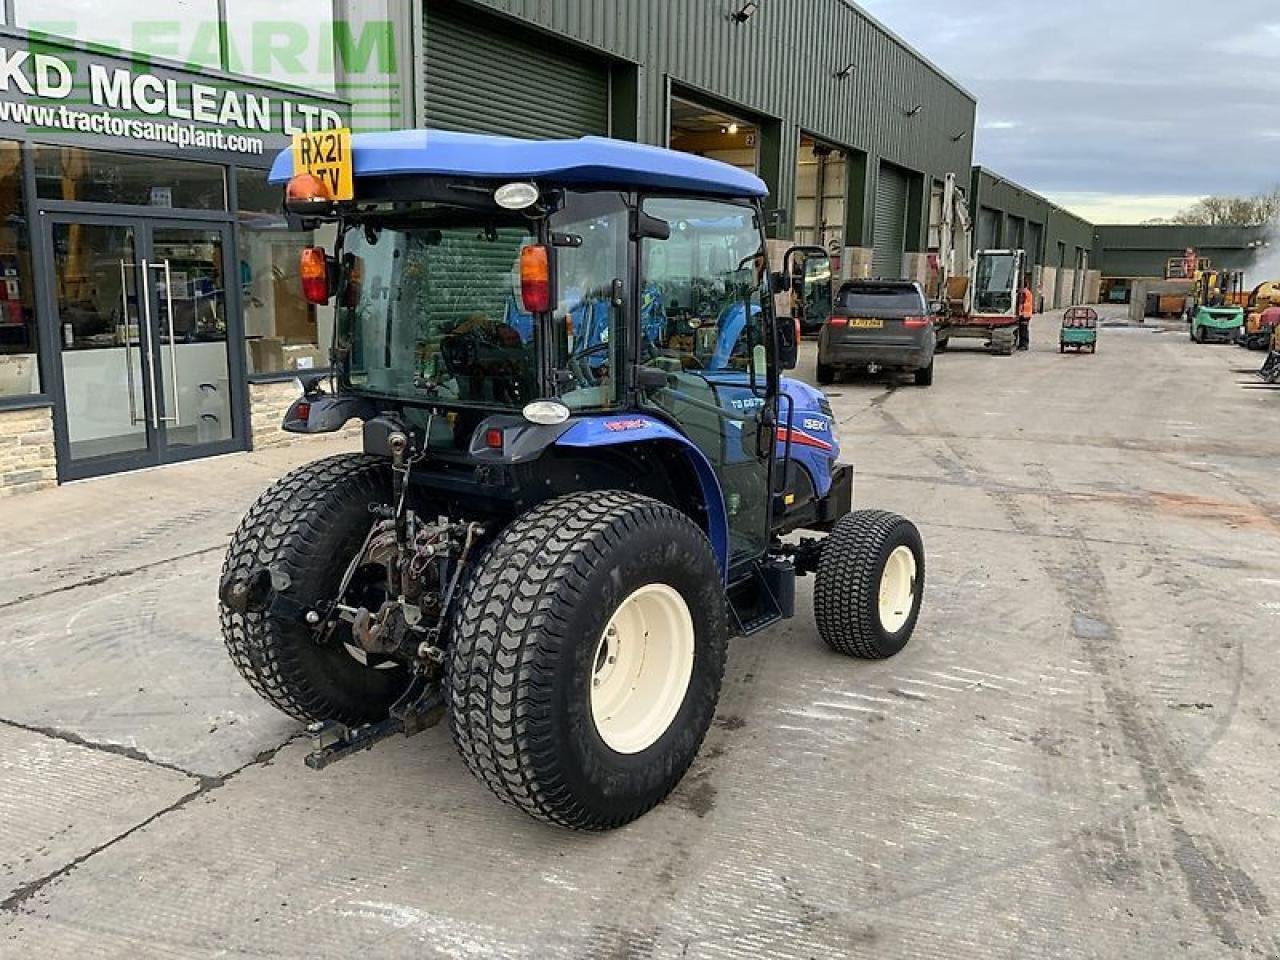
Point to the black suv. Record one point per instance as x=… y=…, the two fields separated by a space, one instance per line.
x=878 y=325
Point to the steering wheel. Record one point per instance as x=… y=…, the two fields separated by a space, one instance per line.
x=580 y=369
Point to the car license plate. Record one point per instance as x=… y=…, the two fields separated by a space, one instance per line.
x=326 y=154
x=866 y=323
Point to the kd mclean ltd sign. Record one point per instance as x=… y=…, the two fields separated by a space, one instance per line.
x=82 y=94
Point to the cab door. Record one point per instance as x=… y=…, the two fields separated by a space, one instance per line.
x=711 y=339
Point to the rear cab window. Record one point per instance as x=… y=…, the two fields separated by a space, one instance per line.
x=880 y=300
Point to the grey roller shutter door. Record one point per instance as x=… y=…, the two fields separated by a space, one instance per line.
x=1035 y=236
x=988 y=229
x=890 y=224
x=484 y=76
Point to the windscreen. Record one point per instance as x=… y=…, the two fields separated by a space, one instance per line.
x=432 y=313
x=885 y=301
x=996 y=284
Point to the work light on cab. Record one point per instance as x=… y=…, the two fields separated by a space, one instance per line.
x=535 y=278
x=314 y=270
x=516 y=196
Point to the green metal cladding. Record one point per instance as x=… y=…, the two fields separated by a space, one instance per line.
x=777 y=68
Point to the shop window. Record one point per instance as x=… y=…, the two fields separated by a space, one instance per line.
x=284 y=333
x=285 y=41
x=188 y=33
x=19 y=371
x=94 y=176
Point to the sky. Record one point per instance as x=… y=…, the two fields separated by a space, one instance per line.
x=1122 y=111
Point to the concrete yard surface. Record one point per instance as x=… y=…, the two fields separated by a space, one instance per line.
x=1078 y=755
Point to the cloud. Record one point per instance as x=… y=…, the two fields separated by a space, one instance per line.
x=1080 y=108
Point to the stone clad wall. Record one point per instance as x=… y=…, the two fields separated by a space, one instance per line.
x=268 y=403
x=27 y=458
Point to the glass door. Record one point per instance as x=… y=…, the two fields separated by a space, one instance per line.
x=105 y=347
x=187 y=270
x=141 y=315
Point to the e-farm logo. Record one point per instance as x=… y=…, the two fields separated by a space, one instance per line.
x=357 y=62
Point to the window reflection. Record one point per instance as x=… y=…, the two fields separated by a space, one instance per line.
x=186 y=31
x=19 y=372
x=284 y=332
x=71 y=173
x=285 y=41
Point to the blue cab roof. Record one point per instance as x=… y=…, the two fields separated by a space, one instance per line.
x=586 y=162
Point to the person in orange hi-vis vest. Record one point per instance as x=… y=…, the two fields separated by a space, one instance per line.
x=1026 y=307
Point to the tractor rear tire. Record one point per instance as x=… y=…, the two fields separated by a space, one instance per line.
x=826 y=375
x=306 y=528
x=588 y=652
x=869 y=585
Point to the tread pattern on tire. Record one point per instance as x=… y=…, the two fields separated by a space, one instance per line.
x=847 y=582
x=509 y=629
x=281 y=530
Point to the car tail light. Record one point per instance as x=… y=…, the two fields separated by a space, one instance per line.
x=798 y=331
x=535 y=279
x=493 y=439
x=314 y=268
x=915 y=323
x=837 y=321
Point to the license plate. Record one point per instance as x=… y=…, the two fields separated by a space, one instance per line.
x=326 y=154
x=866 y=323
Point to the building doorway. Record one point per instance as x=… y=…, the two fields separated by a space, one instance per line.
x=143 y=331
x=821 y=181
x=708 y=132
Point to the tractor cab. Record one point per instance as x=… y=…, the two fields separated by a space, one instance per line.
x=479 y=289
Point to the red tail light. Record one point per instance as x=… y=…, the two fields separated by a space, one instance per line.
x=915 y=323
x=314 y=268
x=535 y=279
x=837 y=321
x=798 y=331
x=494 y=439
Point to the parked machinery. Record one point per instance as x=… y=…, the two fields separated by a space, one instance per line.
x=1261 y=316
x=986 y=307
x=1217 y=305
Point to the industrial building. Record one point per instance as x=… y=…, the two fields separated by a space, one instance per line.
x=1059 y=244
x=1145 y=251
x=852 y=129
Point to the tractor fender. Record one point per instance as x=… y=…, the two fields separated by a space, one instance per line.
x=637 y=429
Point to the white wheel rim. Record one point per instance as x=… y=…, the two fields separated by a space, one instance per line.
x=897 y=589
x=641 y=668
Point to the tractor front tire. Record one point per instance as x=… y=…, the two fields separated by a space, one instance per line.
x=305 y=529
x=588 y=651
x=869 y=585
